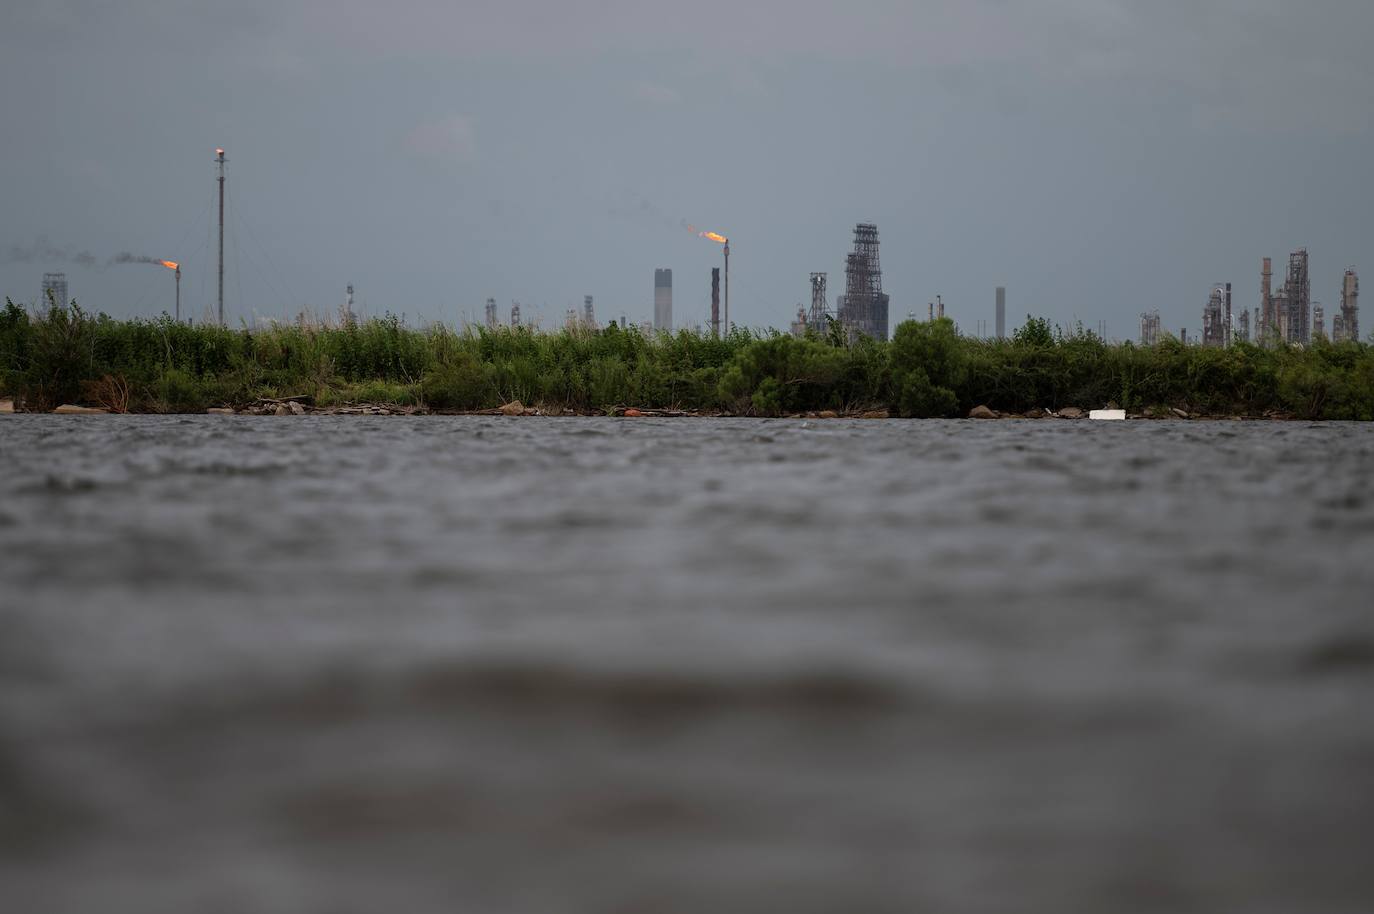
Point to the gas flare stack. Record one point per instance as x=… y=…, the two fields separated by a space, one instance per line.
x=715 y=302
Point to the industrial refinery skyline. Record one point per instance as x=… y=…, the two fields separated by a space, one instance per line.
x=1096 y=161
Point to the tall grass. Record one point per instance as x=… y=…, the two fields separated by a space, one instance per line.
x=63 y=354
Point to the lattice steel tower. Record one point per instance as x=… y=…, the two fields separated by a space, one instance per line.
x=864 y=307
x=1298 y=296
x=55 y=290
x=820 y=303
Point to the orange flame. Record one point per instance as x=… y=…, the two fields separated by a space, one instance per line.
x=169 y=264
x=719 y=239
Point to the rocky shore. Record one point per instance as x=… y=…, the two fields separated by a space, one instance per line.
x=302 y=406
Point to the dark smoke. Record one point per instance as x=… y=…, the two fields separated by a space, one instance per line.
x=44 y=251
x=636 y=207
x=126 y=257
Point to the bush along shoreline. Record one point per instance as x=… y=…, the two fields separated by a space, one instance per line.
x=64 y=356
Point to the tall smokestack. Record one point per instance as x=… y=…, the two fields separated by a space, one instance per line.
x=663 y=300
x=1270 y=322
x=715 y=302
x=727 y=287
x=220 y=160
x=1228 y=315
x=1001 y=312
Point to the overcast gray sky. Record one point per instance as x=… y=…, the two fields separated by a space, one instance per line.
x=1098 y=157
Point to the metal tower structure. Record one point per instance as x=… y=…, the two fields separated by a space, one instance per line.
x=515 y=314
x=715 y=302
x=864 y=307
x=55 y=290
x=491 y=314
x=1298 y=292
x=219 y=162
x=820 y=303
x=588 y=315
x=727 y=286
x=1149 y=328
x=1267 y=324
x=1226 y=315
x=1279 y=304
x=1214 y=318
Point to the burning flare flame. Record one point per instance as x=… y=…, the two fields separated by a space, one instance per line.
x=714 y=236
x=169 y=264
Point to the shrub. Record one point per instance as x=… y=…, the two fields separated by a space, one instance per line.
x=460 y=384
x=62 y=354
x=59 y=357
x=928 y=365
x=177 y=391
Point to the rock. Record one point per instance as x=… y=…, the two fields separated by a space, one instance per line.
x=281 y=410
x=981 y=412
x=532 y=411
x=1111 y=404
x=631 y=413
x=876 y=414
x=1071 y=412
x=827 y=414
x=1036 y=413
x=6 y=406
x=296 y=408
x=220 y=411
x=67 y=409
x=513 y=408
x=1178 y=413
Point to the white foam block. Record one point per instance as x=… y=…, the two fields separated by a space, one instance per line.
x=1116 y=415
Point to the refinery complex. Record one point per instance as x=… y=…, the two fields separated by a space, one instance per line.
x=1286 y=314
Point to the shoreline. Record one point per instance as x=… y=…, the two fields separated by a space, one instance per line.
x=301 y=406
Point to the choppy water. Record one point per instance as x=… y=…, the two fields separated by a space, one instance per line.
x=549 y=665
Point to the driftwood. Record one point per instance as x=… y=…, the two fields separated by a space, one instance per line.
x=619 y=410
x=303 y=399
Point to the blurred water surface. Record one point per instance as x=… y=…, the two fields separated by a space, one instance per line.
x=338 y=664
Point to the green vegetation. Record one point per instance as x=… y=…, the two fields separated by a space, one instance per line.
x=64 y=355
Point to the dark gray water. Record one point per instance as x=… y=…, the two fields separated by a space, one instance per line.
x=552 y=665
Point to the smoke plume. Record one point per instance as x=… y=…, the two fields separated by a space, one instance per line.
x=44 y=251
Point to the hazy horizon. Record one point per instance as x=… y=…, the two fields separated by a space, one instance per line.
x=1098 y=159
